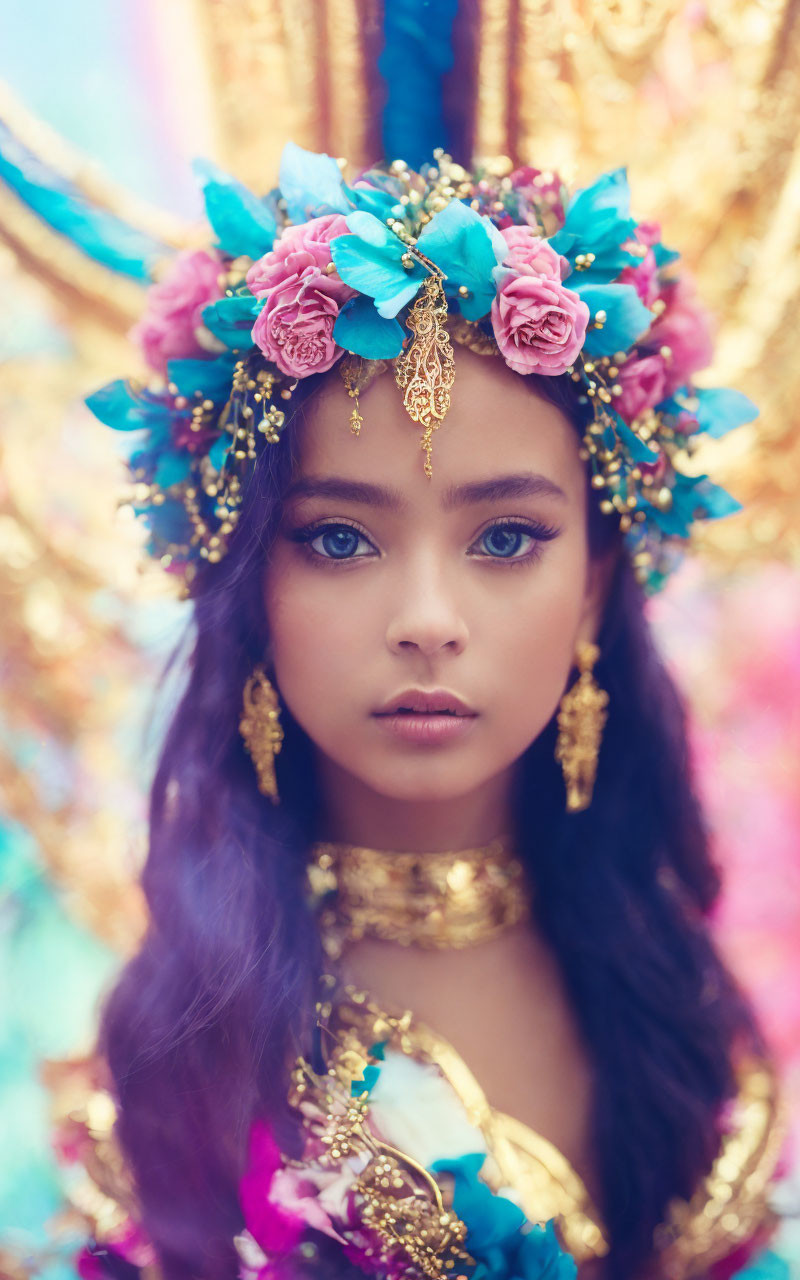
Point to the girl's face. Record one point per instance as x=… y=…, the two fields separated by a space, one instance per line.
x=476 y=581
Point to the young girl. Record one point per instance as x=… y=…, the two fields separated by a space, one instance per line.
x=428 y=986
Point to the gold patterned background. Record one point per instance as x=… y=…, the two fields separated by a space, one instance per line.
x=699 y=98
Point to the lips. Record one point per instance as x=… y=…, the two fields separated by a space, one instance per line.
x=426 y=702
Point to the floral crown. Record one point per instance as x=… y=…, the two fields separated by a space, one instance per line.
x=391 y=269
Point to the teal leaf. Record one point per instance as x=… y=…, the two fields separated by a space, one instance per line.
x=627 y=318
x=310 y=183
x=118 y=406
x=241 y=222
x=361 y=329
x=212 y=377
x=720 y=409
x=466 y=247
x=231 y=319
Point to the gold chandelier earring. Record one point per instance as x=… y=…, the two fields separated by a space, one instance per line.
x=581 y=718
x=261 y=729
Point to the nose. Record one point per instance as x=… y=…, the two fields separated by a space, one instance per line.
x=424 y=614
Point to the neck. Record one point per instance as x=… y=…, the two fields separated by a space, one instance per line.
x=352 y=813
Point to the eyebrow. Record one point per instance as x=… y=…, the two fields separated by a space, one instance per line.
x=524 y=484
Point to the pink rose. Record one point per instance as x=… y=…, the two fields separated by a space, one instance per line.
x=299 y=249
x=530 y=254
x=648 y=233
x=539 y=325
x=642 y=381
x=168 y=328
x=686 y=328
x=294 y=328
x=643 y=277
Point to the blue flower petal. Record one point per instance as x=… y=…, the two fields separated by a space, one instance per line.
x=664 y=256
x=627 y=318
x=466 y=247
x=311 y=184
x=371 y=200
x=540 y=1256
x=168 y=522
x=491 y=1220
x=117 y=405
x=720 y=409
x=359 y=328
x=375 y=232
x=218 y=451
x=242 y=223
x=637 y=450
x=172 y=468
x=231 y=319
x=598 y=221
x=370 y=263
x=212 y=377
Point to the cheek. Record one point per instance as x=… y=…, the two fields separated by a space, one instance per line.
x=533 y=641
x=314 y=639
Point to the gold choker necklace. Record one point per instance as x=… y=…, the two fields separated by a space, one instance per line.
x=450 y=899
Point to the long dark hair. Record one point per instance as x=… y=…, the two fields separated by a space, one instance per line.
x=202 y=1025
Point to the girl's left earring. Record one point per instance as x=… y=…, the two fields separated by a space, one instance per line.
x=261 y=729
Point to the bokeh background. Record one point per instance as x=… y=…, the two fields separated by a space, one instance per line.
x=103 y=104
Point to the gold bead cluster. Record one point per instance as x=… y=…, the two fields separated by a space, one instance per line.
x=622 y=482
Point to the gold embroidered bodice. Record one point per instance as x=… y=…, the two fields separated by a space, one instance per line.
x=728 y=1207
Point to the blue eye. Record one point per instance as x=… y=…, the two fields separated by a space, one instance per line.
x=339 y=541
x=504 y=539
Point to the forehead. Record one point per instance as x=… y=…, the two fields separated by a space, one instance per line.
x=496 y=425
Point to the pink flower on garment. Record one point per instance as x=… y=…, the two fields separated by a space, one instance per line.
x=294 y=328
x=686 y=328
x=530 y=254
x=299 y=250
x=539 y=325
x=642 y=383
x=168 y=328
x=274 y=1228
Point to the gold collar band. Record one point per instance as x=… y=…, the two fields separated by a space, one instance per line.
x=450 y=899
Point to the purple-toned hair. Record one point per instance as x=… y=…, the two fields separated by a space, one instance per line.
x=202 y=1027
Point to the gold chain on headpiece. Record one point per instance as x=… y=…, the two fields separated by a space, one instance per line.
x=426 y=371
x=447 y=899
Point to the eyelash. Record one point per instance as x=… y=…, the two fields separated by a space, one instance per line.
x=541 y=533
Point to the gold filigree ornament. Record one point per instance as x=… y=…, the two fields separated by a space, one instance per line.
x=426 y=369
x=261 y=729
x=581 y=719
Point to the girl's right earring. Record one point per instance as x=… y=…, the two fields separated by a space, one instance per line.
x=260 y=727
x=581 y=718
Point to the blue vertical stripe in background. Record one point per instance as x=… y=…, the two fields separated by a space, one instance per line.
x=417 y=54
